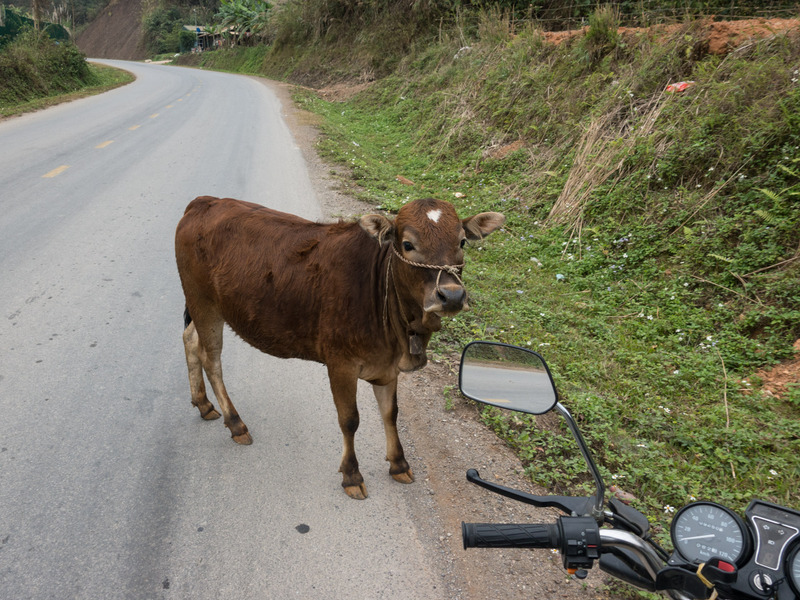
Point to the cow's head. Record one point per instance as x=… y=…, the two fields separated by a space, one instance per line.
x=427 y=239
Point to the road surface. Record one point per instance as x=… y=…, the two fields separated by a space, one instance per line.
x=526 y=390
x=111 y=486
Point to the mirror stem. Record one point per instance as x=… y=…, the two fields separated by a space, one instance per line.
x=597 y=509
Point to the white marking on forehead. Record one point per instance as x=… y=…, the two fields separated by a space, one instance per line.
x=434 y=215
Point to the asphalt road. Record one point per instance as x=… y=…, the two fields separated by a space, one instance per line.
x=111 y=486
x=526 y=390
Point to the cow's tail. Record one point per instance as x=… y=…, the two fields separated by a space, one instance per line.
x=187 y=318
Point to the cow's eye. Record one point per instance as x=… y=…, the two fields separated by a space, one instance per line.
x=408 y=246
x=463 y=242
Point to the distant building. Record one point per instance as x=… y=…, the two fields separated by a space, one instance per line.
x=209 y=38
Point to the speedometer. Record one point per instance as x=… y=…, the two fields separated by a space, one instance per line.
x=793 y=566
x=704 y=529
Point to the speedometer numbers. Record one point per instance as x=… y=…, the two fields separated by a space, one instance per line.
x=703 y=530
x=765 y=552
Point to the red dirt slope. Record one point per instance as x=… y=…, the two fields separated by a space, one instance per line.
x=720 y=37
x=115 y=33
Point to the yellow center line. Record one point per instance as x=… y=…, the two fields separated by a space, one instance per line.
x=56 y=171
x=134 y=128
x=154 y=115
x=170 y=105
x=180 y=99
x=104 y=144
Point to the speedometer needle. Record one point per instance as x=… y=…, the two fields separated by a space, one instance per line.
x=699 y=537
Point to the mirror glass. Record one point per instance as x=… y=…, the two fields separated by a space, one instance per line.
x=507 y=377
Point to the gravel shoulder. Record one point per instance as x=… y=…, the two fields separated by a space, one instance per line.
x=442 y=444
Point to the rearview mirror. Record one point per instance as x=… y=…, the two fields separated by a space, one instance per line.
x=507 y=377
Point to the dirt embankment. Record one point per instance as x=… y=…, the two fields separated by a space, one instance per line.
x=115 y=33
x=716 y=37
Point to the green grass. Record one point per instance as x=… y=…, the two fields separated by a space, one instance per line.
x=104 y=79
x=38 y=72
x=666 y=285
x=245 y=60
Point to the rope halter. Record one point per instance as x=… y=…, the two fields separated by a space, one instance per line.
x=451 y=269
x=454 y=270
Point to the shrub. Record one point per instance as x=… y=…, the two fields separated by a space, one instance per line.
x=34 y=66
x=164 y=33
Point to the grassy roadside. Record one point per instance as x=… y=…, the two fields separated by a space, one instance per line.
x=106 y=78
x=100 y=78
x=652 y=246
x=658 y=299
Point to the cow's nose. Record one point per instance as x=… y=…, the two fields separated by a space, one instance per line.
x=451 y=297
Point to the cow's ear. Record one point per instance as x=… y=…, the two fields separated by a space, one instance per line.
x=481 y=225
x=378 y=226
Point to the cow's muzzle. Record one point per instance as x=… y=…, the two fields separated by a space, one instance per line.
x=447 y=300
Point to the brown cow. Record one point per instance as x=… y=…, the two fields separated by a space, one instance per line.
x=362 y=298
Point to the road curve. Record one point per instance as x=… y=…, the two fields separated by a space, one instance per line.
x=111 y=486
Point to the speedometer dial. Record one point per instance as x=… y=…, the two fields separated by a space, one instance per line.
x=793 y=566
x=704 y=529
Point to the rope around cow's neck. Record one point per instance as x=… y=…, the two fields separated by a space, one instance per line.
x=451 y=269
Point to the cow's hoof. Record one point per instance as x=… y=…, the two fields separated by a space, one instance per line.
x=211 y=415
x=407 y=477
x=357 y=492
x=207 y=410
x=243 y=438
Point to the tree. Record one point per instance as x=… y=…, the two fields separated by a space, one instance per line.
x=37 y=9
x=245 y=17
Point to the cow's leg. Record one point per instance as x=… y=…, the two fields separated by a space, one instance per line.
x=209 y=333
x=191 y=344
x=387 y=402
x=344 y=386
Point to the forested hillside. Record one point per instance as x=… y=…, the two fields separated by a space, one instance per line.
x=69 y=13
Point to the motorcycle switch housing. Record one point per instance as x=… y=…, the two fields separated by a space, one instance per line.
x=580 y=542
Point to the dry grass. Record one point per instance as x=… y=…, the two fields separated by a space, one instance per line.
x=600 y=157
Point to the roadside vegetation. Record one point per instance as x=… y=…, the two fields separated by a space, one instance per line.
x=652 y=248
x=164 y=33
x=40 y=66
x=39 y=71
x=243 y=22
x=14 y=21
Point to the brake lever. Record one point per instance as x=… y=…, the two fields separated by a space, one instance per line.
x=569 y=505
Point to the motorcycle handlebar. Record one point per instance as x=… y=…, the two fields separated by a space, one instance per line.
x=517 y=535
x=510 y=535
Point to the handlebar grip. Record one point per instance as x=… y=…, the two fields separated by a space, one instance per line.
x=510 y=535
